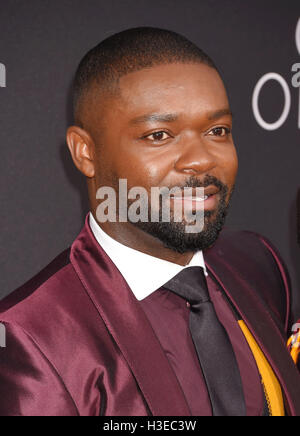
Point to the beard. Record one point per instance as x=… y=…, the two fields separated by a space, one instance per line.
x=173 y=234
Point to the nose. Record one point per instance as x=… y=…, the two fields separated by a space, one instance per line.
x=195 y=157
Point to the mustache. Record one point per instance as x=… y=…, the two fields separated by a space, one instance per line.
x=194 y=182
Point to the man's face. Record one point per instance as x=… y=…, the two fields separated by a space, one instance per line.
x=169 y=126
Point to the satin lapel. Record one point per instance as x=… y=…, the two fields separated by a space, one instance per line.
x=128 y=325
x=261 y=325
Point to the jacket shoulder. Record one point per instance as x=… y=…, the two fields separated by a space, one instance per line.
x=259 y=262
x=25 y=294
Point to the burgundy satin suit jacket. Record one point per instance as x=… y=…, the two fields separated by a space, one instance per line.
x=78 y=342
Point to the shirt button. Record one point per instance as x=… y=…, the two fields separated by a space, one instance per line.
x=188 y=305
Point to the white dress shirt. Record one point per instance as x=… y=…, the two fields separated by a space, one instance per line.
x=143 y=273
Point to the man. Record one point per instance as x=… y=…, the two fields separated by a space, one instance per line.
x=142 y=317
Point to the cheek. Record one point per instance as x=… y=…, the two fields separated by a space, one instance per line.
x=229 y=167
x=155 y=172
x=141 y=168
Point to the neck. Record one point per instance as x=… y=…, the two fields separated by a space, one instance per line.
x=133 y=237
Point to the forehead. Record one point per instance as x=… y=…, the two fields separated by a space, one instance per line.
x=186 y=88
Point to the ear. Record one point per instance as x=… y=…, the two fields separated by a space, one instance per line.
x=82 y=148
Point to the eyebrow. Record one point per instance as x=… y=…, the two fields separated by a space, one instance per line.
x=165 y=118
x=169 y=118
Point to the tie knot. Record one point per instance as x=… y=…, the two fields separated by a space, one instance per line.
x=190 y=283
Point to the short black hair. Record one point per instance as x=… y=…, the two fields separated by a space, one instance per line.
x=128 y=51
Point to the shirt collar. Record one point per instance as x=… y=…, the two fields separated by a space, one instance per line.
x=143 y=273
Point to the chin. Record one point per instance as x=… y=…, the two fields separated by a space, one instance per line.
x=173 y=235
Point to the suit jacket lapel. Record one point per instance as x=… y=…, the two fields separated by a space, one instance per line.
x=259 y=322
x=128 y=325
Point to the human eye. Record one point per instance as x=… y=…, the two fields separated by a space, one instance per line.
x=157 y=136
x=220 y=131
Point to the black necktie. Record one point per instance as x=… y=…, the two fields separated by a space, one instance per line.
x=214 y=349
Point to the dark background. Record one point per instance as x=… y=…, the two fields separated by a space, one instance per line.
x=43 y=197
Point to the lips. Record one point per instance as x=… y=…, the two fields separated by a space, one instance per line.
x=191 y=193
x=208 y=201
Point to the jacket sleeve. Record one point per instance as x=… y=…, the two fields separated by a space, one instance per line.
x=29 y=383
x=283 y=313
x=289 y=319
x=285 y=280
